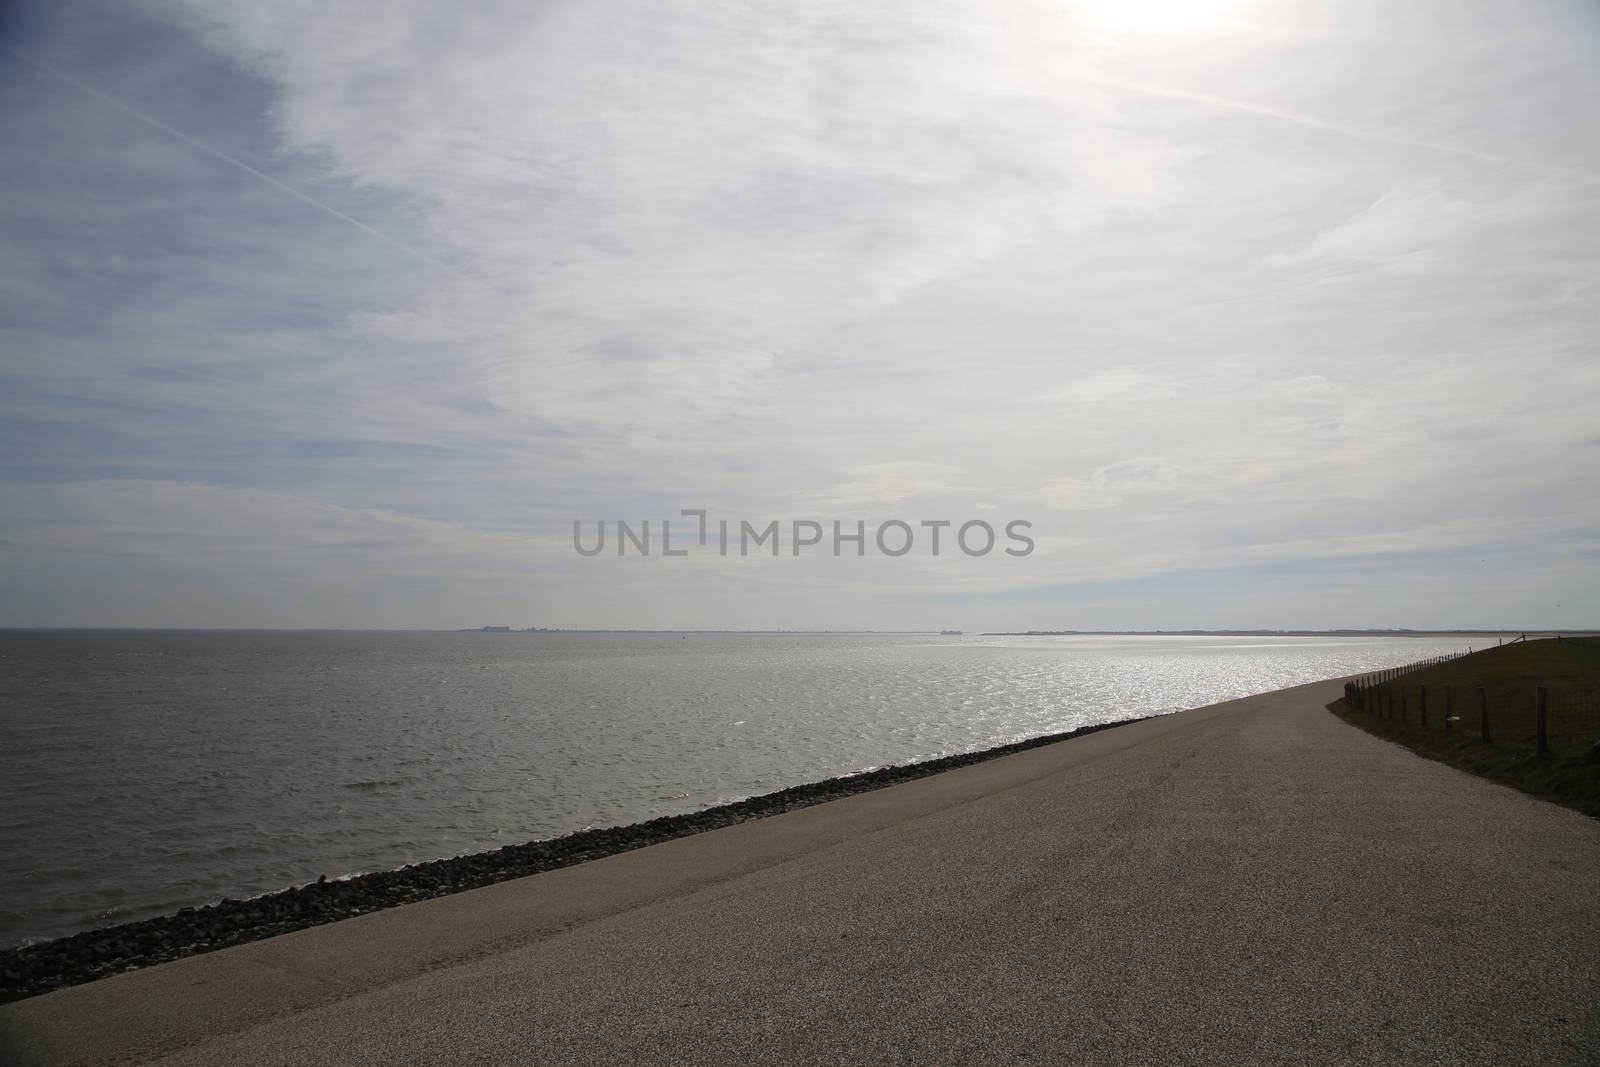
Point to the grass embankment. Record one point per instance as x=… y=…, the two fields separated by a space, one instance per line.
x=1568 y=667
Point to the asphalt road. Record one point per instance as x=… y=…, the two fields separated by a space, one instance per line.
x=1254 y=882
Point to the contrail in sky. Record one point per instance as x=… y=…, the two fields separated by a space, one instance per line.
x=238 y=164
x=1316 y=123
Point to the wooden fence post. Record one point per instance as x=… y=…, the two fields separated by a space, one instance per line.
x=1402 y=705
x=1543 y=739
x=1483 y=714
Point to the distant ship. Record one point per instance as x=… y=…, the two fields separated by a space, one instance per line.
x=950 y=633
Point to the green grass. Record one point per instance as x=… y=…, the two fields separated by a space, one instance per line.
x=1568 y=667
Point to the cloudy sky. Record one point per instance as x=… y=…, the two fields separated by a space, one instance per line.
x=340 y=314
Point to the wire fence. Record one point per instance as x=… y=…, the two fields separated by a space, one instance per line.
x=1542 y=721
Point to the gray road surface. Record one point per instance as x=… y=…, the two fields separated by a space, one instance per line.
x=1254 y=882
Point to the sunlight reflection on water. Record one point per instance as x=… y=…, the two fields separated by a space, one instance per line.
x=146 y=771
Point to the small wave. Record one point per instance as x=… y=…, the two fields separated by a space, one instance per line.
x=373 y=783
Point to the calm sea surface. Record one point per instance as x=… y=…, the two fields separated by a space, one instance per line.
x=144 y=771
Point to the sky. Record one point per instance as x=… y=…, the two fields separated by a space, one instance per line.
x=342 y=314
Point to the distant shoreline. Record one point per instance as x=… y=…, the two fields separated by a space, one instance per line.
x=1285 y=633
x=452 y=630
x=1507 y=632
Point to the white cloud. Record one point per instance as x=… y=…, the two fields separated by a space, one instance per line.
x=188 y=523
x=1415 y=226
x=662 y=204
x=1187 y=294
